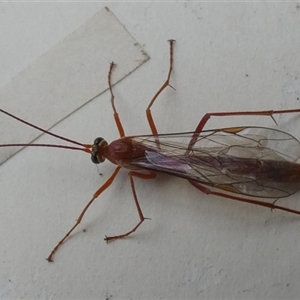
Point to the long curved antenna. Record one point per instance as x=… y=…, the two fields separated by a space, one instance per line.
x=43 y=130
x=85 y=149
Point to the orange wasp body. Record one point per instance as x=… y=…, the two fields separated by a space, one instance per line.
x=248 y=164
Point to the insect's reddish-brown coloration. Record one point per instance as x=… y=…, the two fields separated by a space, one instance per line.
x=248 y=164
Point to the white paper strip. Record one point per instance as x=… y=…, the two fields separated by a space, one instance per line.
x=68 y=76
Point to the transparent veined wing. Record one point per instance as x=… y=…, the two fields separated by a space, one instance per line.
x=253 y=161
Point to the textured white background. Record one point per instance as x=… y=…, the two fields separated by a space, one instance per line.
x=195 y=246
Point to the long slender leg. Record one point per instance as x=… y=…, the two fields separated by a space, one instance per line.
x=112 y=100
x=96 y=195
x=140 y=213
x=207 y=116
x=166 y=83
x=206 y=190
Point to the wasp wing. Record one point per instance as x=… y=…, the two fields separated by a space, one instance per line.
x=253 y=161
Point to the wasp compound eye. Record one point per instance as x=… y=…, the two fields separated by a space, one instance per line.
x=96 y=155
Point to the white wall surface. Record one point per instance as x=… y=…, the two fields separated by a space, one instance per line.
x=228 y=57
